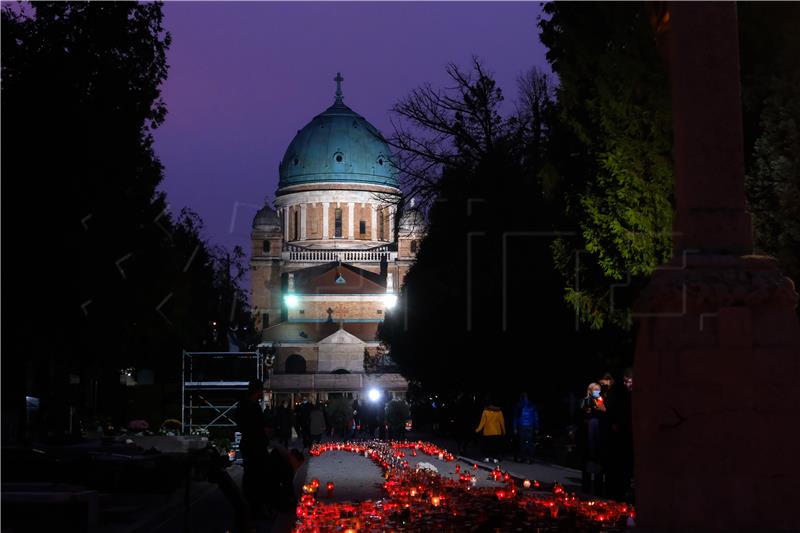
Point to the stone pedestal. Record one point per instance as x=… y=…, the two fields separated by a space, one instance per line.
x=716 y=409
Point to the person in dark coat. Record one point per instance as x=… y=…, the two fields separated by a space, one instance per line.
x=283 y=423
x=304 y=421
x=255 y=429
x=618 y=460
x=591 y=439
x=317 y=423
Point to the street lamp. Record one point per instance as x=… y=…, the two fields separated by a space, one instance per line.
x=374 y=395
x=390 y=300
x=291 y=301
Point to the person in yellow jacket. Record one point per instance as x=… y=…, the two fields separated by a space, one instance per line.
x=493 y=429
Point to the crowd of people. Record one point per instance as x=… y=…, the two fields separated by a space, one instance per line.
x=603 y=437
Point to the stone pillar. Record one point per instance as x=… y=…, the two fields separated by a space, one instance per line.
x=350 y=220
x=373 y=214
x=718 y=349
x=708 y=150
x=303 y=221
x=325 y=208
x=392 y=212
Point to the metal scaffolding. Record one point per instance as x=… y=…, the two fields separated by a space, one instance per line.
x=212 y=384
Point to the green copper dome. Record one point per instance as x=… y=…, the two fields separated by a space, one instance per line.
x=338 y=145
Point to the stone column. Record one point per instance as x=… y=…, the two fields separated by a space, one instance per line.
x=303 y=221
x=392 y=213
x=373 y=213
x=708 y=150
x=718 y=349
x=325 y=208
x=350 y=220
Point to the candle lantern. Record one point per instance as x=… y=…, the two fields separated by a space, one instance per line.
x=526 y=483
x=329 y=488
x=435 y=501
x=458 y=469
x=441 y=456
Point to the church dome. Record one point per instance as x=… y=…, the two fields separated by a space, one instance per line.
x=266 y=217
x=338 y=145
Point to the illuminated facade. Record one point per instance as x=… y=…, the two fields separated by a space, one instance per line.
x=329 y=257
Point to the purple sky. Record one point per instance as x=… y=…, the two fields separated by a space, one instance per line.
x=244 y=77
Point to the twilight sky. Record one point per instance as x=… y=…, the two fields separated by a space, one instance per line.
x=245 y=76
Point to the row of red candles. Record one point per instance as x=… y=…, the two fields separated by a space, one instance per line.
x=419 y=499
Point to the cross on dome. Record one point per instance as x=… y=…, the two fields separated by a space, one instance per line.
x=338 y=79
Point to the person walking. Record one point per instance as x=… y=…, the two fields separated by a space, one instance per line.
x=591 y=439
x=526 y=425
x=493 y=428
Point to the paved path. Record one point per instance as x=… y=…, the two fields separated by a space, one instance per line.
x=541 y=471
x=355 y=477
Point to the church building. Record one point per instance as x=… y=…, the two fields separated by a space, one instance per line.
x=328 y=259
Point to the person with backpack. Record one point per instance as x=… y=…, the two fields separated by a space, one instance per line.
x=526 y=425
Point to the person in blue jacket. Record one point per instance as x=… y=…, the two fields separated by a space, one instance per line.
x=526 y=426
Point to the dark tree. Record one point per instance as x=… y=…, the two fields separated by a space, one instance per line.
x=611 y=161
x=482 y=309
x=98 y=276
x=770 y=46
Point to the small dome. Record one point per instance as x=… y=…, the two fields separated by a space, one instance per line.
x=338 y=145
x=267 y=217
x=412 y=220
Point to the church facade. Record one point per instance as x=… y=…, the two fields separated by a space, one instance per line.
x=328 y=259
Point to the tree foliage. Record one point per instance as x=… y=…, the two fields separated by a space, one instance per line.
x=98 y=274
x=611 y=160
x=770 y=46
x=482 y=305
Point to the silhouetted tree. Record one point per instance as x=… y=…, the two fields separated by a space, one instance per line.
x=482 y=308
x=97 y=275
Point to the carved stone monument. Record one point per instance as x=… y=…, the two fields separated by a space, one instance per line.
x=716 y=410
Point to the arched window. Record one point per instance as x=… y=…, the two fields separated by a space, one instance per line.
x=297 y=225
x=295 y=364
x=265 y=247
x=413 y=247
x=382 y=226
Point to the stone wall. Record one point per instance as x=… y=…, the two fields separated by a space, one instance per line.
x=350 y=309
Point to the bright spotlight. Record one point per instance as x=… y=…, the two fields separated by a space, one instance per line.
x=291 y=301
x=390 y=300
x=374 y=395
